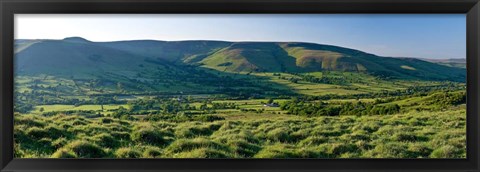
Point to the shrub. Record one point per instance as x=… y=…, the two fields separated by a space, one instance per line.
x=106 y=120
x=85 y=149
x=127 y=153
x=207 y=118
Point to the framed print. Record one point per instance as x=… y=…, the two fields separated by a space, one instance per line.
x=239 y=85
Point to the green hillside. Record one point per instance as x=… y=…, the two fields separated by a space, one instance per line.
x=460 y=63
x=176 y=51
x=79 y=57
x=251 y=57
x=95 y=68
x=68 y=58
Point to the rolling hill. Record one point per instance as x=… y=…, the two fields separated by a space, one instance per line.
x=461 y=63
x=82 y=58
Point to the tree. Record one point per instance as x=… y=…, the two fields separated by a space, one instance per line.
x=270 y=101
x=41 y=109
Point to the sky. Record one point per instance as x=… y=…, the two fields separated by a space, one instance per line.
x=394 y=35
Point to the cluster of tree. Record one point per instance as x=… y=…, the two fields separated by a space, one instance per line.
x=222 y=83
x=443 y=99
x=252 y=110
x=326 y=109
x=84 y=113
x=325 y=80
x=183 y=117
x=413 y=91
x=22 y=107
x=47 y=98
x=384 y=75
x=216 y=106
x=170 y=106
x=309 y=107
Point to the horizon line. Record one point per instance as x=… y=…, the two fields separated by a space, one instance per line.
x=231 y=41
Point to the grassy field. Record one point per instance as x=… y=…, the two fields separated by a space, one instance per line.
x=78 y=119
x=358 y=83
x=59 y=108
x=246 y=135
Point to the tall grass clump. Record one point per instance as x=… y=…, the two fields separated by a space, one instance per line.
x=446 y=152
x=389 y=150
x=183 y=145
x=85 y=149
x=204 y=153
x=152 y=152
x=150 y=135
x=64 y=153
x=37 y=133
x=279 y=135
x=189 y=130
x=277 y=151
x=106 y=140
x=127 y=153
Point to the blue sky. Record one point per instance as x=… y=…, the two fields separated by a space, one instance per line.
x=400 y=35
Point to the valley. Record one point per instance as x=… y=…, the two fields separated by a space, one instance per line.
x=215 y=99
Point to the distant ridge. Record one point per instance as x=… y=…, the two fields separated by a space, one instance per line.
x=453 y=62
x=76 y=40
x=78 y=54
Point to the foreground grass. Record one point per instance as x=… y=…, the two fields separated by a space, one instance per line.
x=407 y=135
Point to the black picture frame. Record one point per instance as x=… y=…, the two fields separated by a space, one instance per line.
x=10 y=7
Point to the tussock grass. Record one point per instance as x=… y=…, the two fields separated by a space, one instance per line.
x=405 y=135
x=127 y=153
x=152 y=152
x=64 y=153
x=85 y=149
x=106 y=140
x=196 y=143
